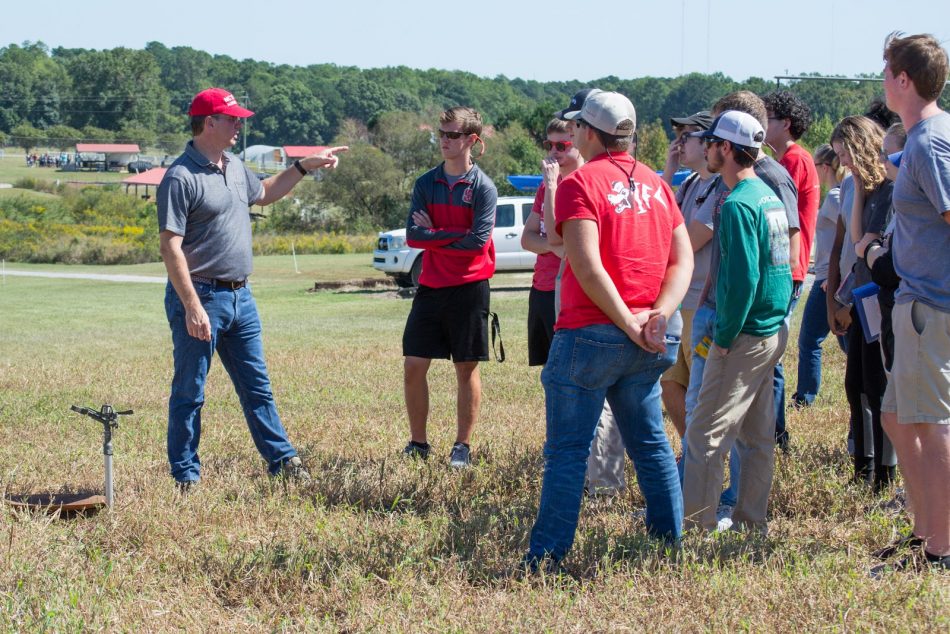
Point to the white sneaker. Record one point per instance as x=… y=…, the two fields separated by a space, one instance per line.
x=724 y=517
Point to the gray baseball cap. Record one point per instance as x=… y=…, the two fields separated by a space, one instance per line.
x=609 y=112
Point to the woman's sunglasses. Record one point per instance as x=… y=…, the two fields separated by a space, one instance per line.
x=560 y=146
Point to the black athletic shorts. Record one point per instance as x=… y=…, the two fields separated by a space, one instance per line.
x=450 y=322
x=540 y=325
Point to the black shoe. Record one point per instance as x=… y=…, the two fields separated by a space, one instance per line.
x=907 y=542
x=863 y=470
x=883 y=477
x=783 y=442
x=531 y=565
x=937 y=562
x=418 y=450
x=185 y=486
x=916 y=561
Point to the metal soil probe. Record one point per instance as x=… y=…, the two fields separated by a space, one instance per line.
x=110 y=421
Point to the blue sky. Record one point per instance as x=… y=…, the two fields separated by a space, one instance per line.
x=553 y=40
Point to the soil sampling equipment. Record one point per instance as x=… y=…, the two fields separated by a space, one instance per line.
x=80 y=503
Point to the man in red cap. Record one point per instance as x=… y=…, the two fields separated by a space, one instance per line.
x=205 y=237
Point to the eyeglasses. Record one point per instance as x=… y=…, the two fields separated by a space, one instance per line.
x=228 y=118
x=560 y=146
x=451 y=135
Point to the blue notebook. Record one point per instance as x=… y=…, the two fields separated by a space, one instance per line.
x=869 y=310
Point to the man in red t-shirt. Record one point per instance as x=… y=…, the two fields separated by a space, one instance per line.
x=562 y=159
x=629 y=263
x=789 y=118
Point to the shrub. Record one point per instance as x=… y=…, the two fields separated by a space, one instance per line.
x=312 y=243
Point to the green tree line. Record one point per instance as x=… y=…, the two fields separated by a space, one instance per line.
x=58 y=97
x=122 y=92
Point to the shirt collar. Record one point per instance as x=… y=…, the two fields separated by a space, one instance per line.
x=201 y=160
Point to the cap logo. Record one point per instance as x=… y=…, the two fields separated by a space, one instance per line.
x=229 y=100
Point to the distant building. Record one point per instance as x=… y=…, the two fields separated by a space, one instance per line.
x=263 y=158
x=294 y=152
x=106 y=156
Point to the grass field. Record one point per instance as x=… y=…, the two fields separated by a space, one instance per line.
x=377 y=543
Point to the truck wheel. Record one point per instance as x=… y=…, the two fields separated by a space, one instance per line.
x=403 y=280
x=416 y=270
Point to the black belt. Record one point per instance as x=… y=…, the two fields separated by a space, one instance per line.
x=219 y=283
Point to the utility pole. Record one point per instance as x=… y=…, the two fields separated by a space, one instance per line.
x=247 y=122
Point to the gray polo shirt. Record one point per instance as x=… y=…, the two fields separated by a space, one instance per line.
x=209 y=208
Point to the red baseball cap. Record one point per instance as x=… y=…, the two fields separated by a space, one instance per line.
x=216 y=101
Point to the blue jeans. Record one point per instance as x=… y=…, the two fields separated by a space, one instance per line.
x=585 y=366
x=704 y=325
x=813 y=332
x=778 y=375
x=236 y=335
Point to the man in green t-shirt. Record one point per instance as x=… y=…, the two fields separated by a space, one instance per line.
x=736 y=402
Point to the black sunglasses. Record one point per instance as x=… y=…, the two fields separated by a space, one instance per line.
x=560 y=146
x=451 y=135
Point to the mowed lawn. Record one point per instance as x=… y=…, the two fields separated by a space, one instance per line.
x=378 y=543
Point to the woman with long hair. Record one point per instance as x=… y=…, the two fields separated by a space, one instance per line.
x=858 y=141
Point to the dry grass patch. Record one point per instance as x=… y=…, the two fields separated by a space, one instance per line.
x=377 y=543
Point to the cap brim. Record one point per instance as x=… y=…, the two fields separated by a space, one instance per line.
x=681 y=121
x=237 y=111
x=895 y=158
x=703 y=134
x=571 y=115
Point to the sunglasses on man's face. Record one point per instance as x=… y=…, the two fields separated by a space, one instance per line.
x=560 y=146
x=227 y=118
x=451 y=135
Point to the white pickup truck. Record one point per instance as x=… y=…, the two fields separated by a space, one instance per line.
x=403 y=263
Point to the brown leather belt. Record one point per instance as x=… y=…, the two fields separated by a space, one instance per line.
x=219 y=283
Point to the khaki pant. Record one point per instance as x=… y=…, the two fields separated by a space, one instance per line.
x=735 y=406
x=607 y=457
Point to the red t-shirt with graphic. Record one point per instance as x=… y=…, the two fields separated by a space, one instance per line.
x=636 y=230
x=801 y=168
x=548 y=264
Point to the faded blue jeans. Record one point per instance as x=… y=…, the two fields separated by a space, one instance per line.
x=236 y=336
x=778 y=375
x=586 y=366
